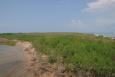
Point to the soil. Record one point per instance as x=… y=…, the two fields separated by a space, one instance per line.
x=37 y=64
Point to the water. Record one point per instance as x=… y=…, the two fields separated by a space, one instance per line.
x=11 y=61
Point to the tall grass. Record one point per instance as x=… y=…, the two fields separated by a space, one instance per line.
x=77 y=50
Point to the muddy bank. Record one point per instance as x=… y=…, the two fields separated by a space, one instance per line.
x=38 y=64
x=30 y=58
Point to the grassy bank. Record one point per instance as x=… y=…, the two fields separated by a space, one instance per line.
x=4 y=41
x=75 y=50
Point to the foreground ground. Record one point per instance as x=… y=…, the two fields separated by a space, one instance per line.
x=73 y=53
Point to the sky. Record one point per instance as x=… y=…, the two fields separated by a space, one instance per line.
x=91 y=16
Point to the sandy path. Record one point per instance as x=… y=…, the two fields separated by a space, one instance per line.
x=30 y=58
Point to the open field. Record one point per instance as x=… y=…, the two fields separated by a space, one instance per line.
x=76 y=51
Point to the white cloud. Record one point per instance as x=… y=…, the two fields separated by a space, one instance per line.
x=77 y=22
x=99 y=4
x=100 y=19
x=98 y=22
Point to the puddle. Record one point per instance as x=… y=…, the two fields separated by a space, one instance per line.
x=11 y=59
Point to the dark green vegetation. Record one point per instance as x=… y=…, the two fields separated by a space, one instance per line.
x=75 y=50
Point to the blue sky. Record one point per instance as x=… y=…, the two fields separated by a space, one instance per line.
x=57 y=16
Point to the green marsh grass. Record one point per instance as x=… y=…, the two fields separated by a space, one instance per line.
x=84 y=51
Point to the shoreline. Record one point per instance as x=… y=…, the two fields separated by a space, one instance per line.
x=30 y=56
x=36 y=65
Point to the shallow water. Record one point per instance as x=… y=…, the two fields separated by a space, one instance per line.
x=11 y=61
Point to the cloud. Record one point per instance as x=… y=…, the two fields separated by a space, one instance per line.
x=77 y=22
x=99 y=16
x=97 y=22
x=99 y=5
x=96 y=25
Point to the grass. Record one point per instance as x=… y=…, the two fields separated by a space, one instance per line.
x=84 y=51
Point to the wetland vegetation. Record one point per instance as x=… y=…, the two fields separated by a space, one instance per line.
x=77 y=51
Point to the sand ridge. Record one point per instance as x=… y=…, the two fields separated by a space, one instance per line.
x=30 y=58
